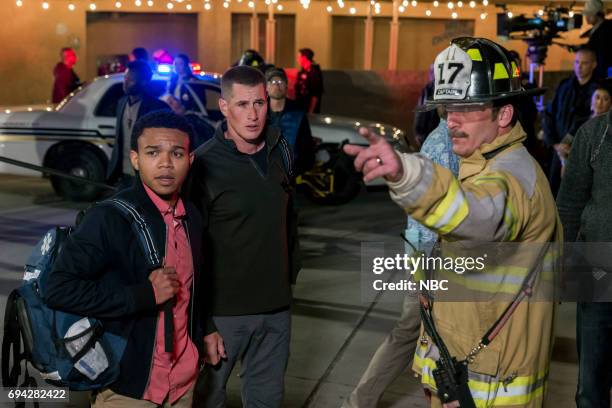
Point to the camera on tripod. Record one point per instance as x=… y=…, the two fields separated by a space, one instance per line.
x=539 y=31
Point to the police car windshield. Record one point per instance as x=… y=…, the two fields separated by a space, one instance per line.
x=71 y=95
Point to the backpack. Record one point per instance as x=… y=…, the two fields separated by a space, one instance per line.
x=68 y=350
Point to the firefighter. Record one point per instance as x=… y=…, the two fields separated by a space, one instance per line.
x=500 y=196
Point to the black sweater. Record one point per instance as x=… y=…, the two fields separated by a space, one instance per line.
x=251 y=237
x=585 y=197
x=101 y=272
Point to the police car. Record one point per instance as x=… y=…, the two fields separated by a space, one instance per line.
x=77 y=135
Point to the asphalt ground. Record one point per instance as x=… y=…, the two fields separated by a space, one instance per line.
x=334 y=331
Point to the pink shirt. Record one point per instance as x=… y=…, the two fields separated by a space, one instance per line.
x=172 y=374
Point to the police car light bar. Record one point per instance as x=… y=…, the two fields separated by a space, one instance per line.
x=164 y=69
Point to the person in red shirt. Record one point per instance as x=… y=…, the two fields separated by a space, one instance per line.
x=65 y=79
x=101 y=273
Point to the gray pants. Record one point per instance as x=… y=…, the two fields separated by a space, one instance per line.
x=261 y=343
x=391 y=359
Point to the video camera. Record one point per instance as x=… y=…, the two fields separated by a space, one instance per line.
x=538 y=32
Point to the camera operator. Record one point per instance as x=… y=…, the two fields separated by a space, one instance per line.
x=599 y=36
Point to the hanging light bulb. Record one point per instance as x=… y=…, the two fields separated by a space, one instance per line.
x=401 y=9
x=92 y=6
x=459 y=4
x=207 y=6
x=45 y=5
x=169 y=6
x=118 y=4
x=225 y=4
x=454 y=14
x=329 y=9
x=251 y=4
x=450 y=5
x=472 y=4
x=428 y=12
x=510 y=15
x=71 y=6
x=540 y=12
x=279 y=7
x=352 y=10
x=436 y=3
x=188 y=7
x=571 y=14
x=414 y=3
x=485 y=2
x=483 y=16
x=19 y=3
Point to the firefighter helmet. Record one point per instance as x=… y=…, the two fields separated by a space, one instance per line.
x=475 y=71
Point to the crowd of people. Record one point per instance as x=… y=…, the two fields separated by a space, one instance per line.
x=219 y=202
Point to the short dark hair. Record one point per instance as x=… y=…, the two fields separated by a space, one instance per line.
x=243 y=75
x=185 y=59
x=141 y=68
x=588 y=49
x=140 y=53
x=161 y=119
x=307 y=52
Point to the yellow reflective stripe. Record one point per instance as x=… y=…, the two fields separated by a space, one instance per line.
x=478 y=281
x=490 y=391
x=516 y=72
x=450 y=212
x=474 y=54
x=510 y=214
x=500 y=71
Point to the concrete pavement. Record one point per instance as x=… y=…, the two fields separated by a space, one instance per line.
x=334 y=332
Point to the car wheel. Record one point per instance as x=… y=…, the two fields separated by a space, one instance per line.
x=81 y=162
x=333 y=180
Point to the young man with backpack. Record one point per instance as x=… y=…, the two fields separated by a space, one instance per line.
x=103 y=273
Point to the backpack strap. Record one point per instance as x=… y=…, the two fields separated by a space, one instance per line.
x=287 y=156
x=140 y=228
x=145 y=238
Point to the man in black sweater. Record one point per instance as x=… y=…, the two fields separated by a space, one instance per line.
x=585 y=209
x=241 y=179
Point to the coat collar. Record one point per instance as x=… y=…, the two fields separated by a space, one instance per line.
x=478 y=160
x=271 y=135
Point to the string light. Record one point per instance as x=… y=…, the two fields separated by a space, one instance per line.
x=459 y=4
x=352 y=10
x=450 y=5
x=540 y=12
x=510 y=15
x=251 y=4
x=71 y=6
x=45 y=5
x=19 y=3
x=150 y=3
x=188 y=7
x=483 y=16
x=329 y=9
x=414 y=3
x=138 y=3
x=279 y=7
x=472 y=4
x=169 y=6
x=571 y=14
x=118 y=4
x=92 y=6
x=225 y=4
x=207 y=6
x=428 y=12
x=436 y=3
x=485 y=2
x=401 y=9
x=454 y=15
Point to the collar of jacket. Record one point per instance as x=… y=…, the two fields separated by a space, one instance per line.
x=271 y=135
x=476 y=162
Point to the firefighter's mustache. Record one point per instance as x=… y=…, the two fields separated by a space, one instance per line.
x=458 y=134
